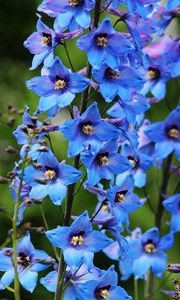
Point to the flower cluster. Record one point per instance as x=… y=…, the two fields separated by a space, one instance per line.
x=112 y=148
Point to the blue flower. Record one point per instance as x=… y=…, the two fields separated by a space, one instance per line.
x=58 y=87
x=29 y=262
x=150 y=250
x=49 y=177
x=142 y=7
x=166 y=135
x=172 y=204
x=104 y=287
x=105 y=45
x=78 y=242
x=105 y=163
x=172 y=4
x=117 y=82
x=88 y=129
x=42 y=44
x=72 y=14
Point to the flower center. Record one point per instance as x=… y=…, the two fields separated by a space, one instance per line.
x=47 y=39
x=153 y=73
x=105 y=207
x=132 y=161
x=23 y=260
x=120 y=196
x=74 y=2
x=150 y=248
x=77 y=239
x=111 y=74
x=102 y=40
x=59 y=84
x=103 y=293
x=49 y=174
x=87 y=128
x=174 y=132
x=102 y=159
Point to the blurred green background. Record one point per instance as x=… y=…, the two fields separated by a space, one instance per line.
x=18 y=21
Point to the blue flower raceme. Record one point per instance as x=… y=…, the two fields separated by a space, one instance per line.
x=72 y=14
x=88 y=129
x=104 y=287
x=117 y=82
x=58 y=87
x=166 y=135
x=150 y=249
x=172 y=204
x=78 y=242
x=29 y=262
x=49 y=177
x=105 y=163
x=105 y=45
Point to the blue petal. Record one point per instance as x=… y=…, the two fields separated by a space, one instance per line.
x=159 y=263
x=59 y=237
x=25 y=245
x=46 y=103
x=6 y=279
x=141 y=266
x=50 y=281
x=77 y=83
x=92 y=238
x=41 y=85
x=39 y=191
x=57 y=192
x=68 y=174
x=28 y=280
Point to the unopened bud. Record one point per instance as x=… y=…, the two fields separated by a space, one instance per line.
x=40 y=230
x=10 y=121
x=3 y=179
x=173 y=268
x=11 y=150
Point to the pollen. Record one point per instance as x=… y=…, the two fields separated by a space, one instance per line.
x=102 y=159
x=46 y=40
x=120 y=197
x=153 y=73
x=88 y=129
x=77 y=240
x=23 y=260
x=102 y=41
x=150 y=248
x=173 y=133
x=59 y=84
x=49 y=174
x=132 y=161
x=104 y=294
x=112 y=74
x=105 y=207
x=74 y=2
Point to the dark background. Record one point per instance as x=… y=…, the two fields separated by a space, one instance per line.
x=17 y=22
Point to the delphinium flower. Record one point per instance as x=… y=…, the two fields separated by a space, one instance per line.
x=104 y=287
x=142 y=7
x=102 y=45
x=117 y=81
x=172 y=204
x=140 y=163
x=88 y=130
x=49 y=177
x=171 y=4
x=78 y=242
x=58 y=87
x=166 y=135
x=105 y=163
x=71 y=14
x=29 y=262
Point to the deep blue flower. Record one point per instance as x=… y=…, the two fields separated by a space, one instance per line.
x=104 y=287
x=105 y=163
x=105 y=45
x=88 y=129
x=58 y=87
x=29 y=262
x=49 y=177
x=117 y=82
x=78 y=242
x=172 y=204
x=42 y=44
x=150 y=250
x=166 y=135
x=140 y=163
x=72 y=14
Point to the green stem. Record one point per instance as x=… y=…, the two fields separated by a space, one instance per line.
x=136 y=296
x=150 y=286
x=68 y=56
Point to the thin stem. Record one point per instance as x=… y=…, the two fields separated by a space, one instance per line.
x=149 y=286
x=50 y=142
x=80 y=185
x=136 y=296
x=68 y=56
x=96 y=213
x=148 y=200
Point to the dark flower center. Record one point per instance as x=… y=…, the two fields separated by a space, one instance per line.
x=75 y=3
x=105 y=207
x=102 y=158
x=153 y=73
x=120 y=196
x=103 y=293
x=60 y=83
x=111 y=74
x=150 y=247
x=102 y=40
x=133 y=162
x=23 y=260
x=77 y=240
x=173 y=132
x=87 y=128
x=47 y=39
x=49 y=174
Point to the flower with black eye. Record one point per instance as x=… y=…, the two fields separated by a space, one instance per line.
x=58 y=87
x=78 y=242
x=166 y=135
x=105 y=163
x=29 y=262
